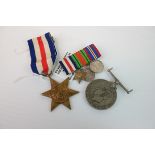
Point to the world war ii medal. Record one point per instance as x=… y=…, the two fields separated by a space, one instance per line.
x=43 y=59
x=101 y=94
x=59 y=93
x=96 y=66
x=80 y=59
x=84 y=74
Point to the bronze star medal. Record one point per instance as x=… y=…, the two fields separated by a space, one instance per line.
x=59 y=93
x=80 y=75
x=84 y=74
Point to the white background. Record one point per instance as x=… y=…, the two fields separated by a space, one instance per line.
x=76 y=13
x=130 y=50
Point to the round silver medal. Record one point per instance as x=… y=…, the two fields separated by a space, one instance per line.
x=101 y=94
x=96 y=66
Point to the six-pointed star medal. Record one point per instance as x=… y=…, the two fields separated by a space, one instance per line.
x=59 y=93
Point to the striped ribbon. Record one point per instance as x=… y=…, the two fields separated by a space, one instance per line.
x=79 y=59
x=43 y=54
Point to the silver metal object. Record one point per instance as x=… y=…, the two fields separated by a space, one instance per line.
x=101 y=94
x=96 y=66
x=117 y=82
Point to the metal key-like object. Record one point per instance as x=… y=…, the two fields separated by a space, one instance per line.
x=117 y=82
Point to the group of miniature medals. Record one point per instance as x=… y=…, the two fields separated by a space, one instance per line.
x=83 y=65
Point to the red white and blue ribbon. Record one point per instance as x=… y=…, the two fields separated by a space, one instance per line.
x=43 y=54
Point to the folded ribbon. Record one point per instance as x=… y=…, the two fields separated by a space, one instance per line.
x=43 y=54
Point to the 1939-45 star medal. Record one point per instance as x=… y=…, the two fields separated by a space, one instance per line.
x=59 y=93
x=84 y=74
x=43 y=59
x=80 y=75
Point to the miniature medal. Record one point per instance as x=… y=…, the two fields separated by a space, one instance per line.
x=84 y=74
x=80 y=75
x=90 y=76
x=96 y=66
x=59 y=93
x=80 y=59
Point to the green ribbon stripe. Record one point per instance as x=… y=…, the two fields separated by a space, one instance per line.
x=85 y=56
x=76 y=61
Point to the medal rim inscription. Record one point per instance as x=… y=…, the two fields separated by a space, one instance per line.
x=99 y=65
x=101 y=106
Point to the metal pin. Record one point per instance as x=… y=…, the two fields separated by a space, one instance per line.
x=118 y=82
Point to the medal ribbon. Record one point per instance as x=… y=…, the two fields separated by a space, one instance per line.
x=79 y=59
x=43 y=54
